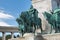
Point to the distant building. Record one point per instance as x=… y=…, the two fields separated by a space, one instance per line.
x=45 y=5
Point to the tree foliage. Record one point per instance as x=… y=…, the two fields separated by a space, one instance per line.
x=8 y=37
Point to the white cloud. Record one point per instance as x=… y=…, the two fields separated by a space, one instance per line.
x=4 y=15
x=4 y=24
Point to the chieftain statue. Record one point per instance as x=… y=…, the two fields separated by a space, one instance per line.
x=54 y=19
x=28 y=21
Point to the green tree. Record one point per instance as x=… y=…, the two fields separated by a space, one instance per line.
x=8 y=37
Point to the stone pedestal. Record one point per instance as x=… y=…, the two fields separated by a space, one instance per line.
x=55 y=36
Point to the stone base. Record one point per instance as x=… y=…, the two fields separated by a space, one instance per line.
x=20 y=38
x=26 y=36
x=55 y=36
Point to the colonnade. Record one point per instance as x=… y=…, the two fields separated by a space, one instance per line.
x=4 y=36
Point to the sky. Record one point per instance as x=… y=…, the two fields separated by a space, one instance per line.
x=10 y=10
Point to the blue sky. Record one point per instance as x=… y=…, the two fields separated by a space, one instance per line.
x=12 y=8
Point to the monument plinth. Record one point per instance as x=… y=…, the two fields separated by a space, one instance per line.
x=55 y=36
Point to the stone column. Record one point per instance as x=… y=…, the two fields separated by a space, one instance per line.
x=12 y=36
x=3 y=36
